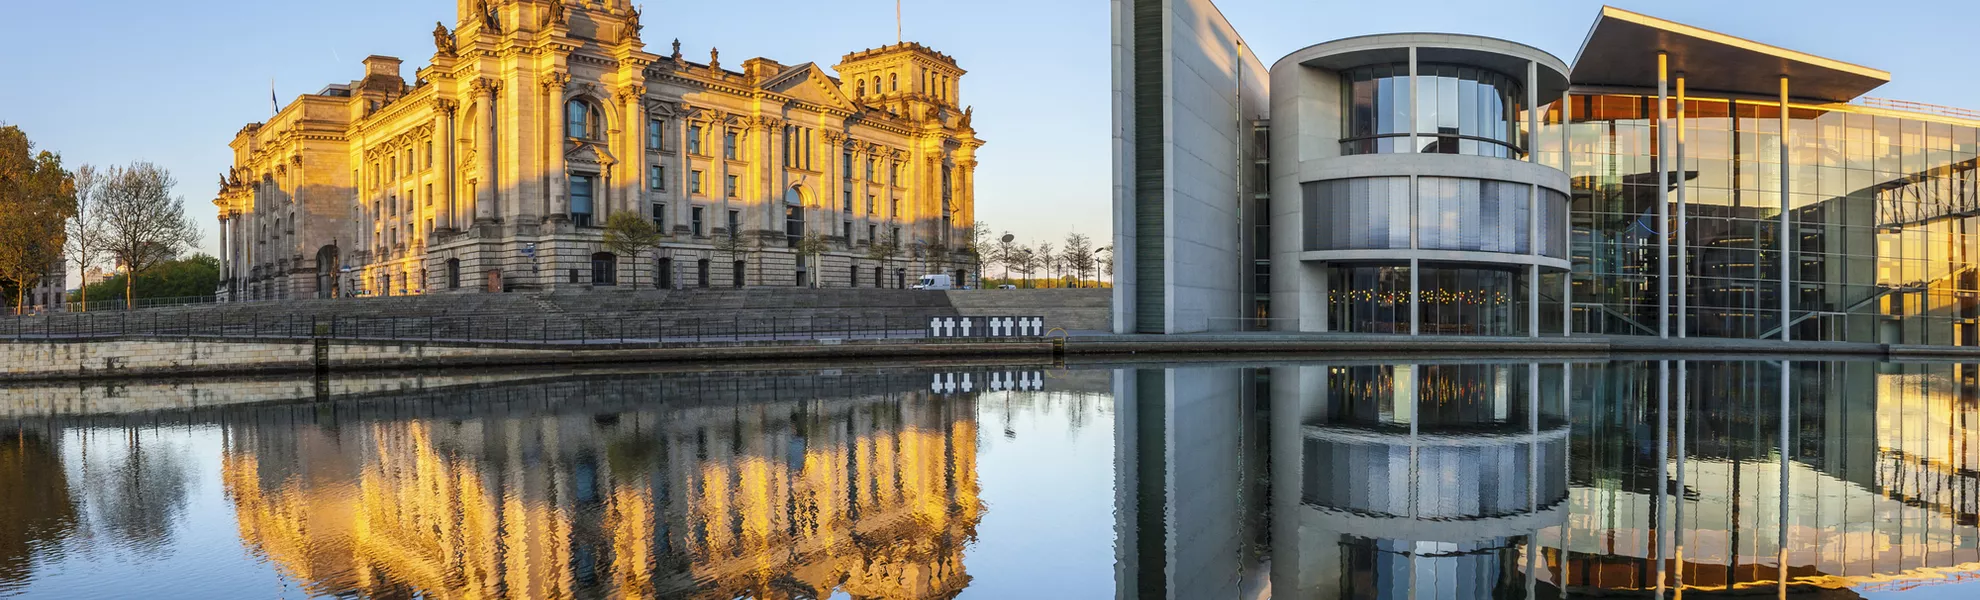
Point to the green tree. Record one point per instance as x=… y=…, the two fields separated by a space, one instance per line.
x=628 y=234
x=143 y=223
x=194 y=276
x=37 y=197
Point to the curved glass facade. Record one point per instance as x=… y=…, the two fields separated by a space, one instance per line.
x=1452 y=213
x=1453 y=299
x=1457 y=110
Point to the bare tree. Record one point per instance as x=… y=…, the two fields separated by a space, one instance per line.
x=809 y=248
x=884 y=251
x=36 y=198
x=1025 y=260
x=1046 y=259
x=1006 y=248
x=143 y=223
x=732 y=244
x=1078 y=257
x=85 y=229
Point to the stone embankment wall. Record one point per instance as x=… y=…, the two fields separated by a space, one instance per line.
x=145 y=357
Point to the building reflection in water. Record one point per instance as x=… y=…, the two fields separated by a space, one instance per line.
x=1547 y=479
x=594 y=492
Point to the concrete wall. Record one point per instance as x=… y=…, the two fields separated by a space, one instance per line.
x=1068 y=309
x=1213 y=87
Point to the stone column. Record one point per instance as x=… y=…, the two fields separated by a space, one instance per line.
x=487 y=90
x=443 y=131
x=683 y=167
x=633 y=98
x=556 y=171
x=226 y=252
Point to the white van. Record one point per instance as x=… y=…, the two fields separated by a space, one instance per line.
x=935 y=282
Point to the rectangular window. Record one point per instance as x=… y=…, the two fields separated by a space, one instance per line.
x=429 y=194
x=896 y=208
x=656 y=178
x=729 y=145
x=429 y=155
x=695 y=223
x=848 y=165
x=871 y=203
x=735 y=222
x=847 y=229
x=581 y=200
x=894 y=173
x=660 y=218
x=848 y=202
x=694 y=182
x=732 y=185
x=694 y=140
x=653 y=131
x=895 y=235
x=872 y=231
x=869 y=169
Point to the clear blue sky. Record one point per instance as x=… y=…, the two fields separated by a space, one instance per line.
x=112 y=81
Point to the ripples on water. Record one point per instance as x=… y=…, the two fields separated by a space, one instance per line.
x=1458 y=479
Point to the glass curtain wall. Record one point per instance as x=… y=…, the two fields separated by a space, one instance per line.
x=1884 y=221
x=1454 y=299
x=1458 y=110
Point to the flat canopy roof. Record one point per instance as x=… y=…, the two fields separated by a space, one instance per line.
x=1621 y=50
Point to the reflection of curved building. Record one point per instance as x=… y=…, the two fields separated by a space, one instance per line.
x=874 y=496
x=1417 y=480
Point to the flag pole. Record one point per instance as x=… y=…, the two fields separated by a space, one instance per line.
x=898 y=37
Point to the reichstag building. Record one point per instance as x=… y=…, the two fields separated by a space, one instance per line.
x=498 y=166
x=1671 y=181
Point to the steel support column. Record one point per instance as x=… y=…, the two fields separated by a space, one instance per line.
x=1683 y=239
x=1663 y=196
x=1785 y=233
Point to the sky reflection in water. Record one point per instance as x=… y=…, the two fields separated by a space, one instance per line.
x=1430 y=479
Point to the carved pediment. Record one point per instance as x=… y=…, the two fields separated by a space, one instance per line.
x=588 y=153
x=808 y=83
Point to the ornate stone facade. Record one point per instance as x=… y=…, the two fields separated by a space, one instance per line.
x=497 y=166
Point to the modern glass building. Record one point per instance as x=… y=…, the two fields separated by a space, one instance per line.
x=1414 y=183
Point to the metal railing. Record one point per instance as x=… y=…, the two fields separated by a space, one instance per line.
x=116 y=304
x=604 y=328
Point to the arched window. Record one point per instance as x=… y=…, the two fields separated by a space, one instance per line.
x=453 y=273
x=583 y=120
x=604 y=269
x=862 y=88
x=894 y=80
x=876 y=84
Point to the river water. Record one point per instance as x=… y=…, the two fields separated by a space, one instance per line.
x=1460 y=478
